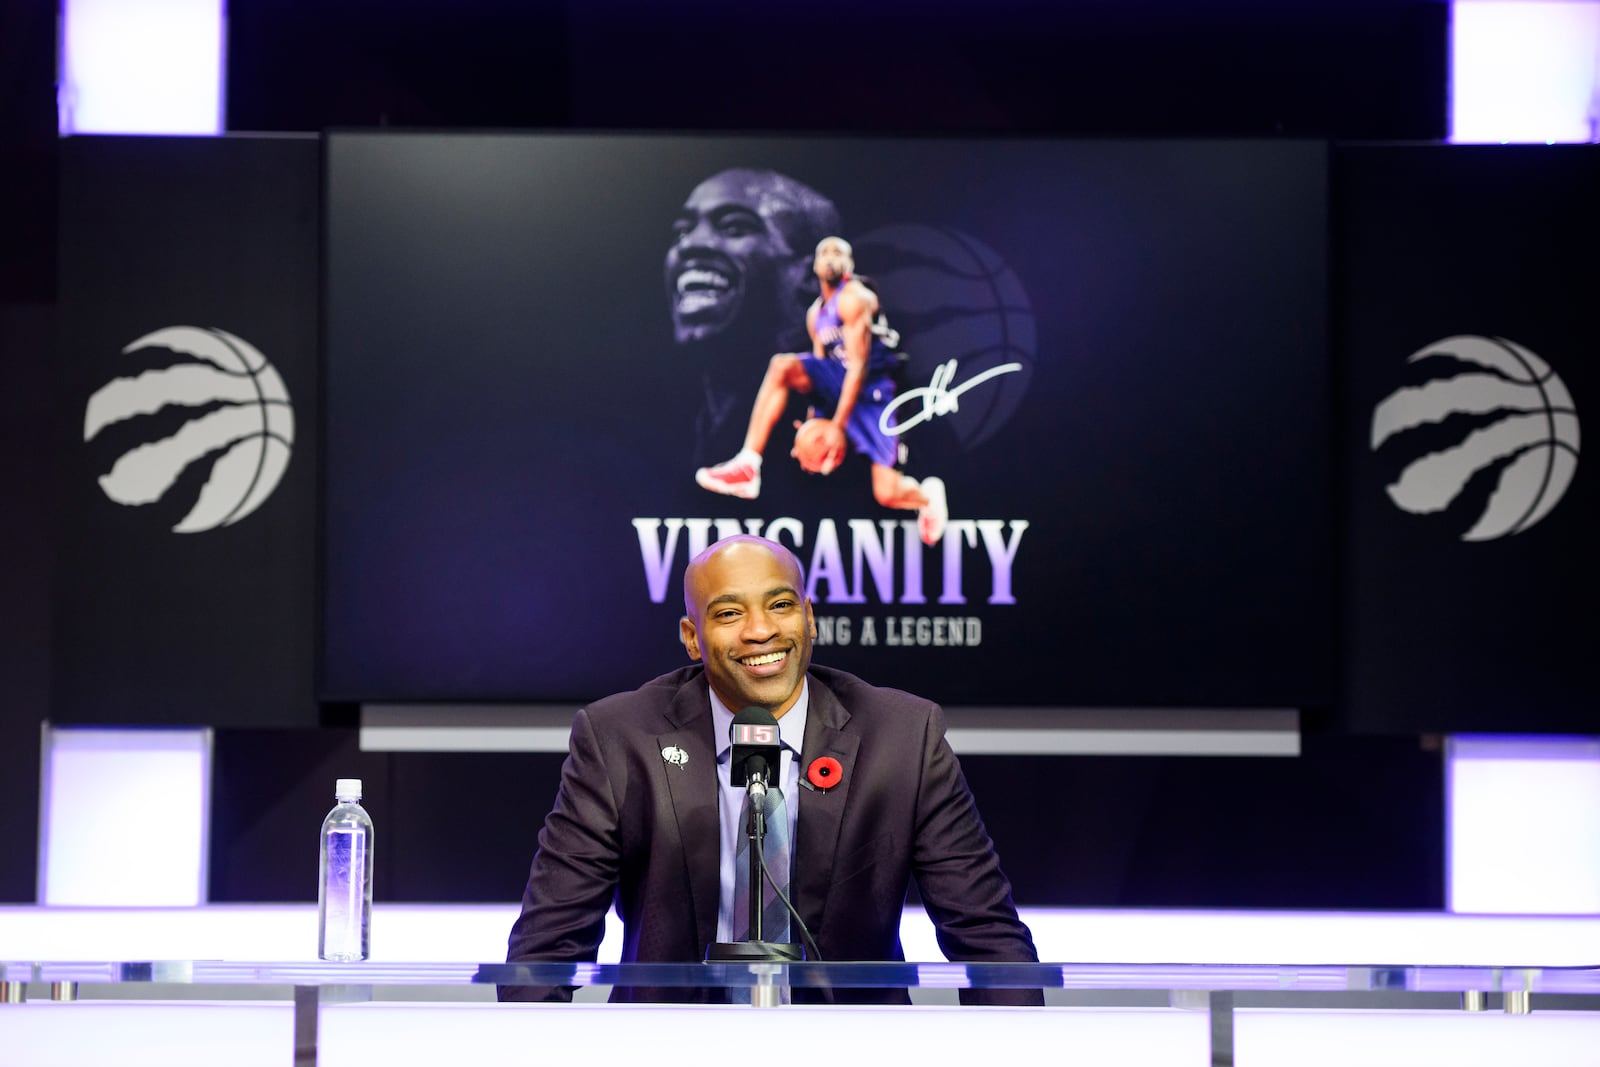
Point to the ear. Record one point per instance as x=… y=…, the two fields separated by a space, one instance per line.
x=691 y=638
x=811 y=620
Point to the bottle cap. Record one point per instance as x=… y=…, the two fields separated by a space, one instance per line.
x=347 y=789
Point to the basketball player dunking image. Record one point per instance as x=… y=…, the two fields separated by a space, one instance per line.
x=850 y=366
x=738 y=282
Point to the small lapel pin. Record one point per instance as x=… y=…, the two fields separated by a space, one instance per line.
x=675 y=755
x=823 y=774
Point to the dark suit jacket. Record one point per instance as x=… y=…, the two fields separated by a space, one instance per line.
x=629 y=824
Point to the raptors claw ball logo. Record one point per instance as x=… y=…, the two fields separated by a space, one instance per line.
x=1488 y=433
x=213 y=412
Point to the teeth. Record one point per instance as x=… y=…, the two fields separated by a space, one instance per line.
x=697 y=300
x=695 y=278
x=762 y=661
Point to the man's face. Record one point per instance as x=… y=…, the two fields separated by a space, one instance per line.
x=832 y=261
x=749 y=624
x=727 y=252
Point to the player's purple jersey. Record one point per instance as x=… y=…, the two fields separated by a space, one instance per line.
x=881 y=355
x=864 y=428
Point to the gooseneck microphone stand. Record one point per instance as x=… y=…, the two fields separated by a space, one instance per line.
x=764 y=955
x=754 y=762
x=756 y=949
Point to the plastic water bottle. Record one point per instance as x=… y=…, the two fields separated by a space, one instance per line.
x=344 y=888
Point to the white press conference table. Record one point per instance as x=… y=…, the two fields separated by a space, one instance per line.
x=235 y=984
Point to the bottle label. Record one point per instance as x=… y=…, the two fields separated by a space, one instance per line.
x=345 y=892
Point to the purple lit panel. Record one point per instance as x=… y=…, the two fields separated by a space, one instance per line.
x=152 y=67
x=1524 y=72
x=1462 y=1039
x=476 y=933
x=200 y=1034
x=1523 y=828
x=676 y=1035
x=133 y=802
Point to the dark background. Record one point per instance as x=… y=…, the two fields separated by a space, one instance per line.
x=1334 y=68
x=1354 y=822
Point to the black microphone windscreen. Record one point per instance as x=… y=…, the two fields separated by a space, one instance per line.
x=757 y=746
x=753 y=717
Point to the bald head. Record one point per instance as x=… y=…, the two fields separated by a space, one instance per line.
x=694 y=604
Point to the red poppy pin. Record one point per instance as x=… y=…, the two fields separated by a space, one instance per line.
x=824 y=773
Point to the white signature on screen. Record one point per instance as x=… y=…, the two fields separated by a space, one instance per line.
x=937 y=397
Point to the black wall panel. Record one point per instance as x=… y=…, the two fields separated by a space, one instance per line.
x=27 y=560
x=28 y=146
x=1351 y=823
x=379 y=63
x=1337 y=68
x=1469 y=356
x=28 y=175
x=187 y=415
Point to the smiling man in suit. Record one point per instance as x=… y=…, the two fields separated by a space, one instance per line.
x=643 y=814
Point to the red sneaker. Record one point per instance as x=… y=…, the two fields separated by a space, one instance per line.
x=738 y=477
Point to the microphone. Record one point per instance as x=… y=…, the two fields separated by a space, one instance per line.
x=754 y=764
x=757 y=751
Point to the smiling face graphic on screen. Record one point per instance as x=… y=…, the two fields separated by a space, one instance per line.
x=740 y=258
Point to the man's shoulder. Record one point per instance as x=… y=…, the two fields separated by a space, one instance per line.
x=858 y=696
x=855 y=295
x=651 y=698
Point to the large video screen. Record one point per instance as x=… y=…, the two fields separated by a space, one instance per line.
x=1086 y=459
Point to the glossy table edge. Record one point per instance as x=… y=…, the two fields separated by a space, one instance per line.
x=1218 y=978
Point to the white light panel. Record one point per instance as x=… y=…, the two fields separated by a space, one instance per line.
x=1523 y=71
x=692 y=1035
x=42 y=1034
x=972 y=730
x=123 y=816
x=1285 y=1038
x=142 y=66
x=1524 y=825
x=45 y=1034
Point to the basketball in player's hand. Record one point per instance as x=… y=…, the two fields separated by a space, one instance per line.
x=819 y=446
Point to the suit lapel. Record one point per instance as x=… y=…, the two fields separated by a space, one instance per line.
x=821 y=813
x=693 y=787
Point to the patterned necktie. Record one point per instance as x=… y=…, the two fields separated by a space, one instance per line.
x=775 y=850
